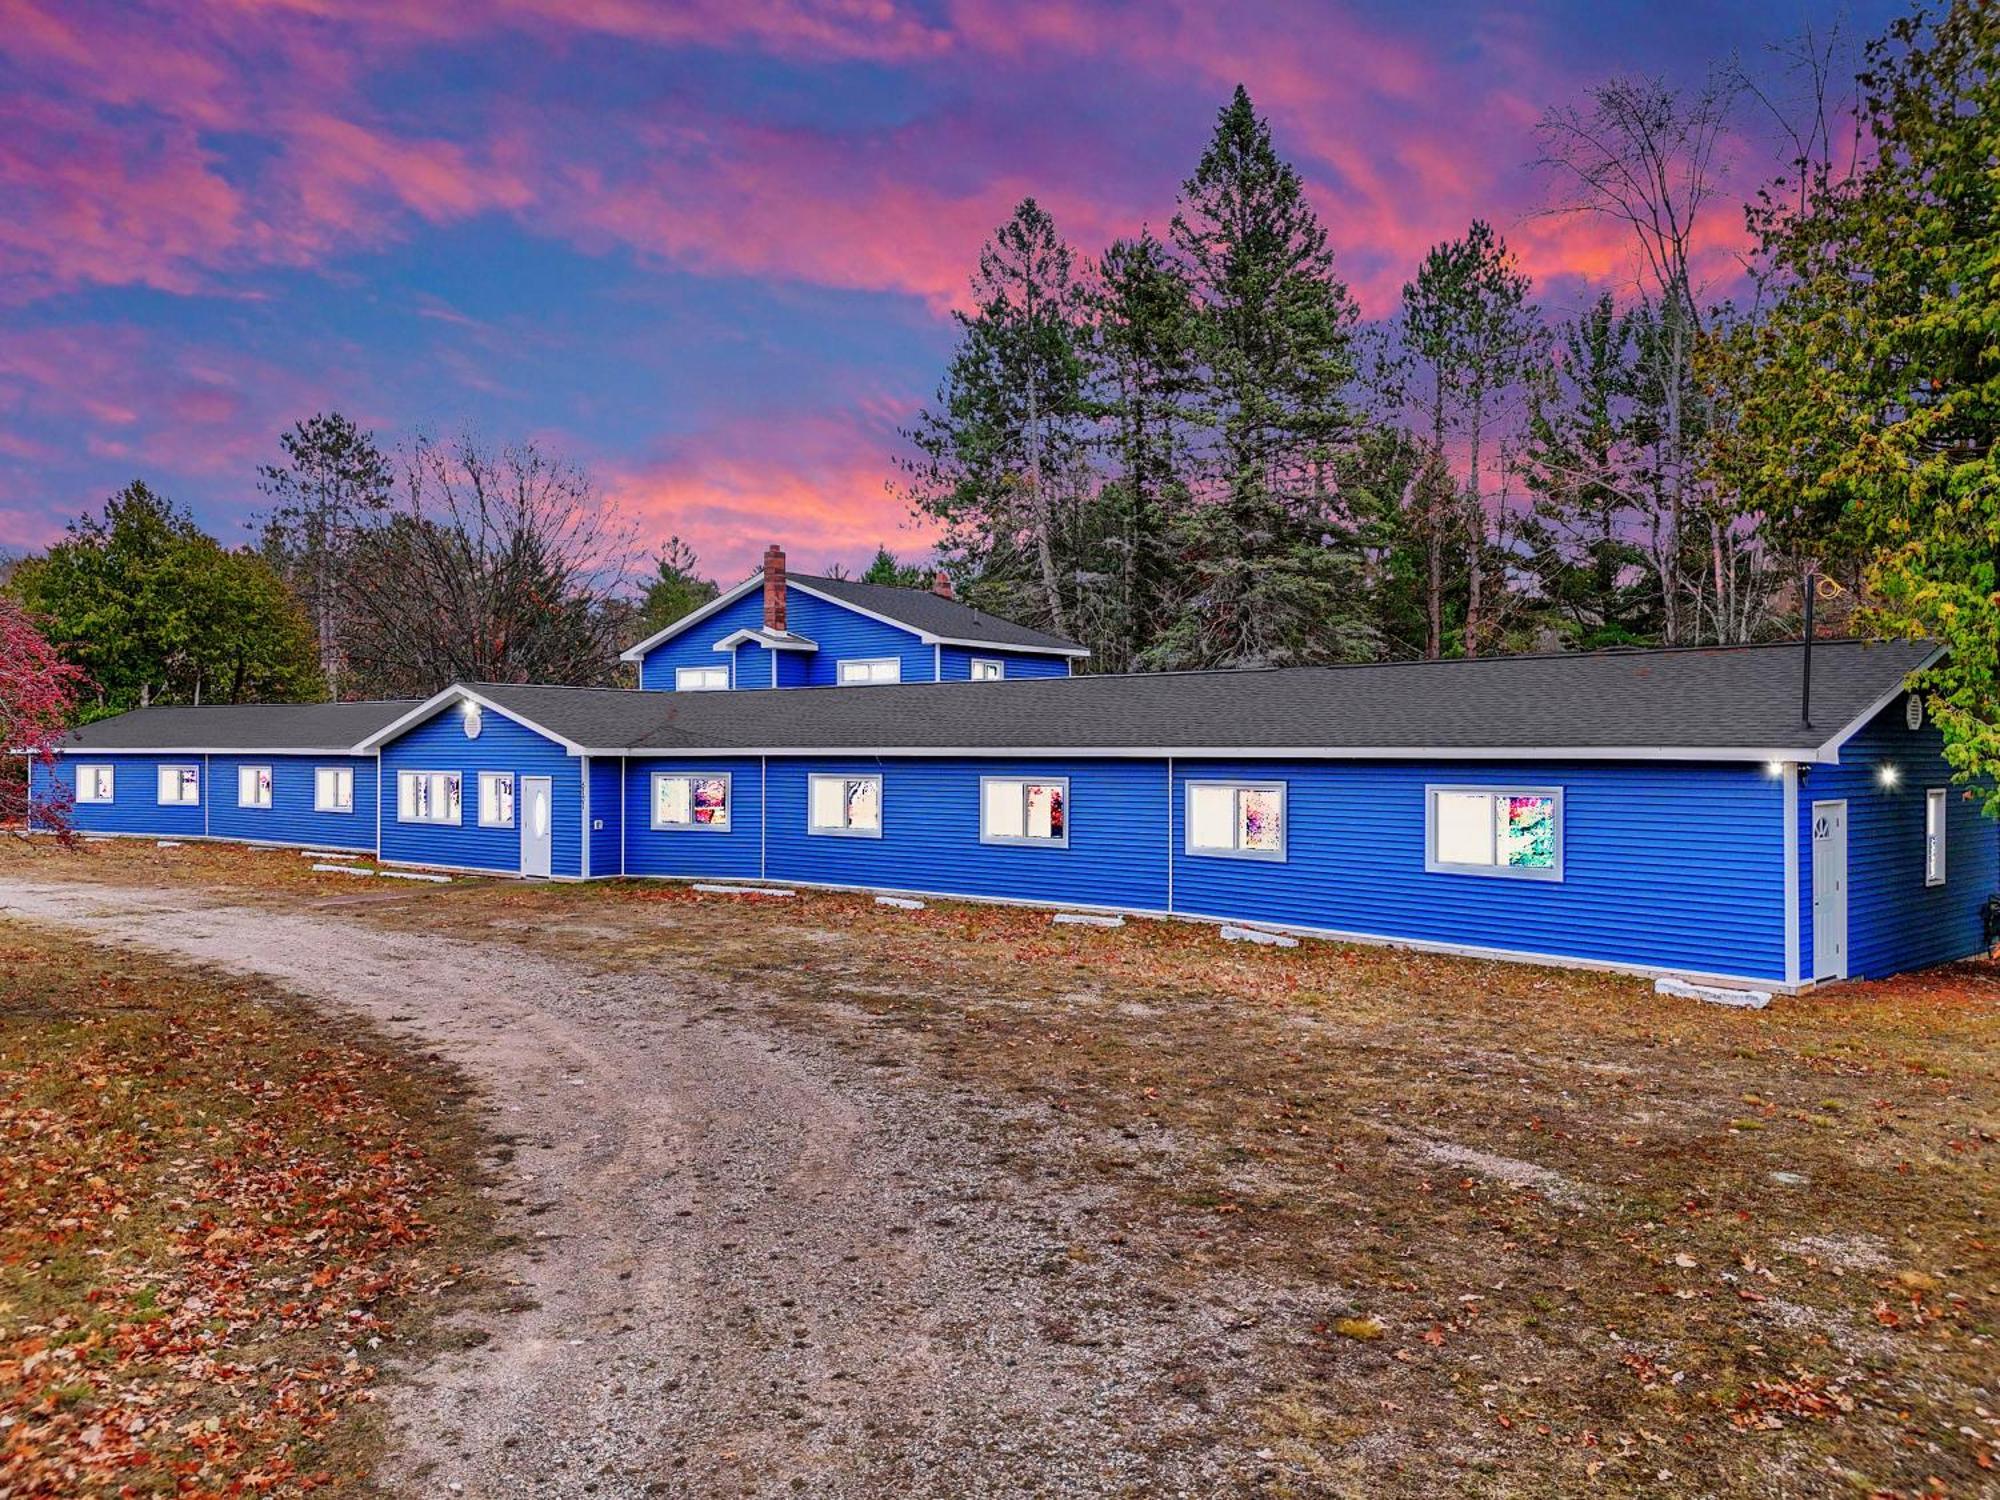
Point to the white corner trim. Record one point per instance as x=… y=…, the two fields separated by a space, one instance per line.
x=1791 y=847
x=720 y=601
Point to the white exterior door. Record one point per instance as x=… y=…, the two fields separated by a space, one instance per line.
x=1829 y=878
x=537 y=825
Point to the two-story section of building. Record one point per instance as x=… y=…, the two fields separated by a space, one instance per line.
x=778 y=629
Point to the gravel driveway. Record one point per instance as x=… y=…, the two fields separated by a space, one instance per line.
x=751 y=1265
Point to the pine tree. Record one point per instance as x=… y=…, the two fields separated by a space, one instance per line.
x=676 y=588
x=1002 y=461
x=1143 y=365
x=333 y=485
x=1277 y=569
x=1468 y=321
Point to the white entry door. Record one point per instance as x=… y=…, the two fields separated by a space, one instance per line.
x=1829 y=877
x=537 y=825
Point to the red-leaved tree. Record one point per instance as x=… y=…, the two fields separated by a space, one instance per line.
x=37 y=700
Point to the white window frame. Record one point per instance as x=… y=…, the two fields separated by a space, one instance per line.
x=997 y=674
x=843 y=830
x=698 y=679
x=1025 y=840
x=457 y=817
x=1435 y=866
x=249 y=787
x=342 y=776
x=870 y=665
x=487 y=778
x=179 y=770
x=1937 y=824
x=1236 y=850
x=88 y=774
x=691 y=826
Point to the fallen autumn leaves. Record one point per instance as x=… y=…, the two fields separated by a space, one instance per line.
x=215 y=1211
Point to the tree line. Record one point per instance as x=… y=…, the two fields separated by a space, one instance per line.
x=1191 y=451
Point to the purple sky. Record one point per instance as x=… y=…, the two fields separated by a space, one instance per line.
x=706 y=249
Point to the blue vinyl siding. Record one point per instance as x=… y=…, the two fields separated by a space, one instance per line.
x=843 y=635
x=957 y=663
x=135 y=793
x=1670 y=866
x=694 y=647
x=439 y=744
x=607 y=817
x=290 y=819
x=1894 y=921
x=930 y=832
x=702 y=853
x=839 y=632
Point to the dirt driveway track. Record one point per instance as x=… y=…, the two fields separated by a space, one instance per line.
x=747 y=1265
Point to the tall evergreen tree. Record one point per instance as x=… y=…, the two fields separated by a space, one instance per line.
x=1581 y=468
x=676 y=588
x=1003 y=451
x=333 y=484
x=1143 y=363
x=1468 y=322
x=1278 y=570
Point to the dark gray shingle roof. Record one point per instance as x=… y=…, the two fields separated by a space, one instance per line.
x=934 y=615
x=1736 y=700
x=241 y=726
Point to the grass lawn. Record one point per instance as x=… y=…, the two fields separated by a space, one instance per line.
x=219 y=1212
x=1497 y=1230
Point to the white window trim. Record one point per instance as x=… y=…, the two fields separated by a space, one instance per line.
x=1434 y=866
x=1207 y=851
x=455 y=821
x=871 y=662
x=1025 y=840
x=998 y=664
x=320 y=773
x=681 y=685
x=251 y=772
x=1937 y=797
x=846 y=832
x=90 y=771
x=653 y=802
x=160 y=783
x=514 y=791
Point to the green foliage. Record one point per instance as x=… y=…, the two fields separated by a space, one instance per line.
x=676 y=588
x=155 y=611
x=887 y=571
x=1870 y=391
x=333 y=486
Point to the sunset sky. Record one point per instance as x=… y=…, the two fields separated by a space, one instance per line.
x=709 y=249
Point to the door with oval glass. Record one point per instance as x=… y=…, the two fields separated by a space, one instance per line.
x=1829 y=900
x=537 y=825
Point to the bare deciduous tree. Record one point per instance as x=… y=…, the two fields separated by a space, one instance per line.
x=500 y=565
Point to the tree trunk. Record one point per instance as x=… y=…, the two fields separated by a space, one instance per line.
x=1038 y=503
x=1475 y=533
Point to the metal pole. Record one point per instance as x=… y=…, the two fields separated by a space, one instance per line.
x=1805 y=687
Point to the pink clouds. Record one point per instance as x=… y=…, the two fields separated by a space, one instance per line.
x=816 y=483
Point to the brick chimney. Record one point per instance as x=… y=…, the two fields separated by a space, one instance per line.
x=941 y=584
x=774 y=588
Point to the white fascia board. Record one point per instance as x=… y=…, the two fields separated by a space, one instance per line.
x=925 y=636
x=720 y=601
x=1733 y=755
x=764 y=638
x=1828 y=754
x=455 y=694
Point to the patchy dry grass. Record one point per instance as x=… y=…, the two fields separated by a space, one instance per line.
x=218 y=1213
x=1512 y=1231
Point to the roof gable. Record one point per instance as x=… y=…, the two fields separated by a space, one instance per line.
x=933 y=619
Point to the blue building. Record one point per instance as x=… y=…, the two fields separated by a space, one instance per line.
x=778 y=629
x=1667 y=811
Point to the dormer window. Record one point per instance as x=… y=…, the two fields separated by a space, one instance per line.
x=700 y=679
